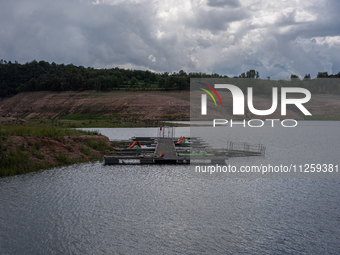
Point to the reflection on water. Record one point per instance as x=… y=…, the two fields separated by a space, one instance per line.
x=140 y=209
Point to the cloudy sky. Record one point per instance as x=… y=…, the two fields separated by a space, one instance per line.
x=277 y=38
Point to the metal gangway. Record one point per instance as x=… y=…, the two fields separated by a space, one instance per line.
x=166 y=132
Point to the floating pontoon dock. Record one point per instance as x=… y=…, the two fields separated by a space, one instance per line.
x=179 y=150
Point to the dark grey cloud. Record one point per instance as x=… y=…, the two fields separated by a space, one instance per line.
x=216 y=19
x=76 y=32
x=276 y=38
x=223 y=3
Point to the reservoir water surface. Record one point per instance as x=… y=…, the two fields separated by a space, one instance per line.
x=163 y=209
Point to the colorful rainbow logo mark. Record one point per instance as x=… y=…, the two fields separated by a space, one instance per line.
x=208 y=92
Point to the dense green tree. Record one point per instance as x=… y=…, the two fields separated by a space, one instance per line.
x=322 y=74
x=253 y=74
x=153 y=77
x=133 y=81
x=182 y=73
x=145 y=84
x=161 y=83
x=115 y=82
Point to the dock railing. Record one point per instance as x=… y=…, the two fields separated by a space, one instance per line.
x=246 y=149
x=166 y=132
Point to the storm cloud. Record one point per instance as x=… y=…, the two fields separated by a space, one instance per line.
x=277 y=38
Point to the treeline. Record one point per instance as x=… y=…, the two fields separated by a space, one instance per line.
x=264 y=87
x=43 y=76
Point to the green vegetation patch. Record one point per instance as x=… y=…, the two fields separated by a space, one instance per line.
x=94 y=117
x=39 y=155
x=63 y=159
x=98 y=145
x=40 y=131
x=17 y=162
x=85 y=150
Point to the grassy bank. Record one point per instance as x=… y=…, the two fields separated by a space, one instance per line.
x=40 y=131
x=27 y=149
x=103 y=121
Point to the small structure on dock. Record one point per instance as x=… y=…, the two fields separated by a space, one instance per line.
x=167 y=149
x=166 y=132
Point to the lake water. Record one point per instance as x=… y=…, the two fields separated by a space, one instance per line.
x=162 y=209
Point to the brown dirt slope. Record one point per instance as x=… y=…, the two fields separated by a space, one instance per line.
x=45 y=104
x=146 y=104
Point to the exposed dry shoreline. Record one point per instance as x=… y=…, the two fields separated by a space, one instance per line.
x=55 y=105
x=136 y=106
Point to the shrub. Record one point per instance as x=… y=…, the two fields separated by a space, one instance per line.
x=85 y=150
x=62 y=159
x=15 y=163
x=40 y=155
x=99 y=145
x=37 y=145
x=22 y=146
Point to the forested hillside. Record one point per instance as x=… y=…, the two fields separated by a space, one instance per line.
x=43 y=76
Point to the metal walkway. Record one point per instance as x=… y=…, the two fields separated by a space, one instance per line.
x=166 y=145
